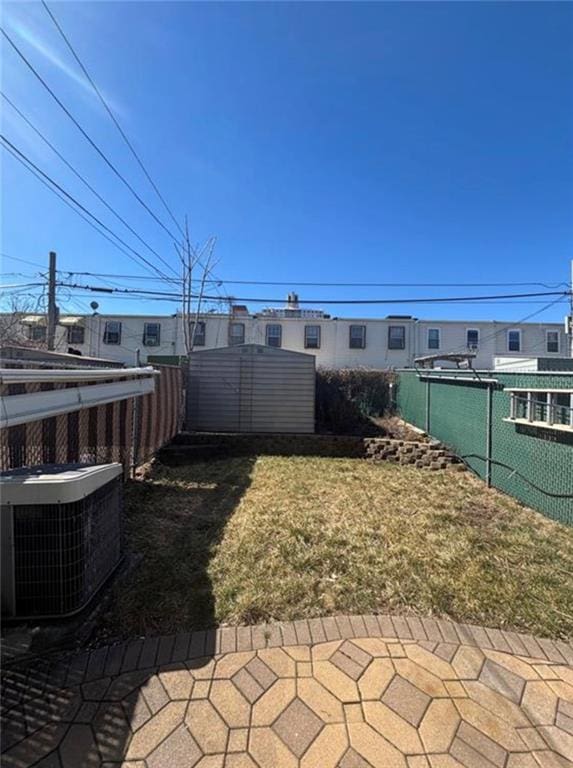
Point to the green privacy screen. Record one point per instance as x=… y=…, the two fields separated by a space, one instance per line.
x=534 y=465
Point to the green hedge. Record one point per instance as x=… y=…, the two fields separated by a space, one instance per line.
x=347 y=399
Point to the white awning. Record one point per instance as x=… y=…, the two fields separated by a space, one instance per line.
x=70 y=320
x=34 y=320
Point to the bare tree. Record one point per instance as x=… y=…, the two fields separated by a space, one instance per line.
x=193 y=260
x=12 y=330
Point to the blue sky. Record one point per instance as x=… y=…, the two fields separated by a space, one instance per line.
x=345 y=142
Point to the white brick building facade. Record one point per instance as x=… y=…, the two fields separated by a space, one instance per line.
x=390 y=342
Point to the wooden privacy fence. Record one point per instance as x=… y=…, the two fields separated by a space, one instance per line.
x=127 y=431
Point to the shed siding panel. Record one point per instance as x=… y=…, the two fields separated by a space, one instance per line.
x=251 y=389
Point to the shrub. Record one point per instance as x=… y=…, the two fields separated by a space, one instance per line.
x=348 y=399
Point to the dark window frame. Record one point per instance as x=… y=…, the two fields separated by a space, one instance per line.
x=557 y=341
x=232 y=339
x=400 y=343
x=107 y=333
x=75 y=329
x=510 y=342
x=359 y=342
x=278 y=336
x=147 y=336
x=33 y=334
x=471 y=344
x=197 y=333
x=429 y=342
x=307 y=340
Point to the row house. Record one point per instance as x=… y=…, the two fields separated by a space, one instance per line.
x=390 y=342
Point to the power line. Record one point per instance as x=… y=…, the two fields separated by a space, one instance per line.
x=19 y=285
x=219 y=300
x=22 y=157
x=83 y=180
x=223 y=281
x=433 y=300
x=66 y=202
x=93 y=144
x=385 y=285
x=87 y=136
x=508 y=326
x=23 y=261
x=112 y=116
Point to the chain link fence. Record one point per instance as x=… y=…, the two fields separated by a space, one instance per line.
x=126 y=431
x=513 y=430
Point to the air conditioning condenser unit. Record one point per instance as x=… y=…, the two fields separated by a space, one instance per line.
x=61 y=536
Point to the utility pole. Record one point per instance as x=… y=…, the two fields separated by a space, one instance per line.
x=569 y=320
x=52 y=308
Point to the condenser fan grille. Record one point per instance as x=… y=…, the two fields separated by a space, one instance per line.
x=64 y=552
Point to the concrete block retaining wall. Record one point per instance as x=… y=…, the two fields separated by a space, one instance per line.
x=423 y=454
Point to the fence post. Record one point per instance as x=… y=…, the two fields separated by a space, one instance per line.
x=489 y=405
x=428 y=385
x=134 y=436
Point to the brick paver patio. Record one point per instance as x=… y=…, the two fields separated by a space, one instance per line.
x=353 y=691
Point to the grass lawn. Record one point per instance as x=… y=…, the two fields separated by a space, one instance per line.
x=253 y=539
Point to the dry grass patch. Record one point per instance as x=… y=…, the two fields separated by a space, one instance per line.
x=248 y=540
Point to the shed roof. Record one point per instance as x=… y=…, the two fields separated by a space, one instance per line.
x=253 y=349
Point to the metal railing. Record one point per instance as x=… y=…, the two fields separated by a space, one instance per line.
x=541 y=408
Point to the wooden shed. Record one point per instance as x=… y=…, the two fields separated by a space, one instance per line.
x=251 y=388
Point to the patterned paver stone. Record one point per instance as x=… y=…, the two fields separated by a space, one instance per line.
x=353 y=692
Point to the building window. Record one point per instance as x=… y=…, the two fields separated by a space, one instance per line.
x=197 y=334
x=433 y=338
x=562 y=408
x=357 y=339
x=273 y=335
x=151 y=334
x=472 y=338
x=552 y=341
x=397 y=337
x=514 y=341
x=236 y=333
x=76 y=334
x=37 y=332
x=312 y=336
x=542 y=408
x=112 y=332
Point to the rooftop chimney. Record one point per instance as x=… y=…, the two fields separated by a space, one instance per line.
x=292 y=300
